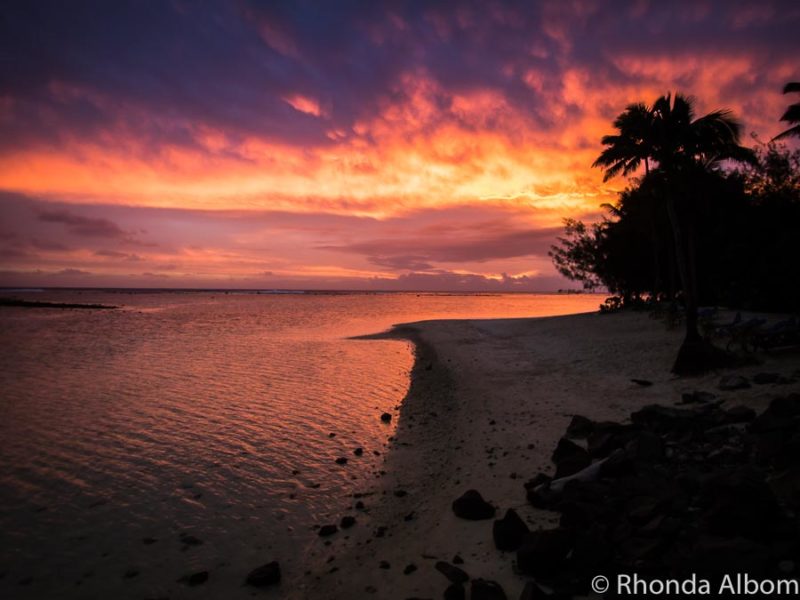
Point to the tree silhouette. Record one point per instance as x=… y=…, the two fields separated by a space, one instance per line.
x=792 y=114
x=678 y=150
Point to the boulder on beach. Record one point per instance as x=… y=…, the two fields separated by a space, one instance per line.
x=453 y=573
x=544 y=552
x=484 y=589
x=455 y=591
x=268 y=574
x=327 y=530
x=473 y=507
x=386 y=417
x=733 y=382
x=509 y=531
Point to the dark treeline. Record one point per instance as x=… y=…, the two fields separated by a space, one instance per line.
x=707 y=223
x=748 y=242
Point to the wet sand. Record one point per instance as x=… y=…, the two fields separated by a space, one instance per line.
x=488 y=401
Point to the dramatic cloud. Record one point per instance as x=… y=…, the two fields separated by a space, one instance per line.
x=321 y=140
x=84 y=226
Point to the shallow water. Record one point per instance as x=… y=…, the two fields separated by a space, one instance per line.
x=196 y=414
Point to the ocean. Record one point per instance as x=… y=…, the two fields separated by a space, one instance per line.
x=197 y=431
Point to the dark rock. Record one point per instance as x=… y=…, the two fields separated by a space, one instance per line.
x=149 y=540
x=570 y=458
x=473 y=507
x=386 y=417
x=697 y=398
x=483 y=589
x=642 y=382
x=739 y=502
x=358 y=451
x=384 y=565
x=544 y=552
x=409 y=569
x=566 y=448
x=268 y=574
x=190 y=540
x=360 y=505
x=453 y=574
x=764 y=378
x=740 y=414
x=455 y=591
x=347 y=522
x=341 y=460
x=579 y=427
x=327 y=530
x=785 y=406
x=457 y=560
x=509 y=531
x=666 y=418
x=195 y=578
x=645 y=446
x=607 y=437
x=533 y=592
x=729 y=383
x=711 y=555
x=131 y=573
x=400 y=493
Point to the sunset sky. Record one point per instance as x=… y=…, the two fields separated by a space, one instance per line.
x=342 y=145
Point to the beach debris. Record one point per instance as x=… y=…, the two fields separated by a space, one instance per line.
x=484 y=589
x=733 y=382
x=453 y=573
x=455 y=591
x=327 y=530
x=472 y=506
x=642 y=382
x=347 y=522
x=509 y=531
x=194 y=579
x=268 y=574
x=386 y=417
x=341 y=460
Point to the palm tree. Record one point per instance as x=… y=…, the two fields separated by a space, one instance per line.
x=631 y=146
x=792 y=114
x=677 y=149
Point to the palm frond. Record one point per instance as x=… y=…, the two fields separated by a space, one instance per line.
x=792 y=86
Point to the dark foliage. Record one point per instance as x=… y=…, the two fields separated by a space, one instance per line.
x=746 y=230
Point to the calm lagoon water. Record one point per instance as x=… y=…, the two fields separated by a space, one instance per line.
x=128 y=436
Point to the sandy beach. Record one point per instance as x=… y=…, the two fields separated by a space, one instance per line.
x=488 y=402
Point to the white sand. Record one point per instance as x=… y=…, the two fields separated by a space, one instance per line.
x=528 y=376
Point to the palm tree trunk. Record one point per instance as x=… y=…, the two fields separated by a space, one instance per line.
x=689 y=299
x=695 y=355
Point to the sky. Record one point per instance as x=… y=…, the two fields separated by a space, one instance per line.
x=342 y=145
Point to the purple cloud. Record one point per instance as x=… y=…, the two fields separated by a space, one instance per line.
x=83 y=226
